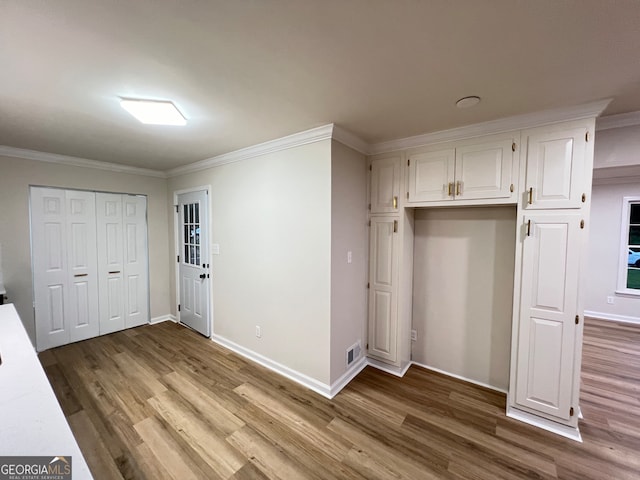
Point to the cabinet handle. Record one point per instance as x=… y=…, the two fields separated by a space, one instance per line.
x=449 y=189
x=528 y=228
x=395 y=202
x=458 y=187
x=530 y=195
x=115 y=271
x=81 y=275
x=395 y=226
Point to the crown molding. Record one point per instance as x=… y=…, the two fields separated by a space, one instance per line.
x=617 y=121
x=77 y=162
x=517 y=122
x=350 y=140
x=290 y=141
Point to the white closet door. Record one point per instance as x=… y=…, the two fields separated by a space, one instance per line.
x=550 y=263
x=82 y=271
x=49 y=250
x=136 y=264
x=110 y=262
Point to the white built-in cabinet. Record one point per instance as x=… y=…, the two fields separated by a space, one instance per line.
x=482 y=168
x=90 y=264
x=546 y=172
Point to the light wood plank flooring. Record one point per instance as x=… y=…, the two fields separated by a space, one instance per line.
x=162 y=402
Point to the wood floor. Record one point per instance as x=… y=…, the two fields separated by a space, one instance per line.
x=162 y=402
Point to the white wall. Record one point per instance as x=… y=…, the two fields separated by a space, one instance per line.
x=617 y=147
x=271 y=216
x=348 y=233
x=463 y=291
x=15 y=177
x=604 y=254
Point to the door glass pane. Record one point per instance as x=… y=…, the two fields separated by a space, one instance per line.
x=634 y=235
x=197 y=213
x=186 y=254
x=197 y=255
x=633 y=278
x=192 y=253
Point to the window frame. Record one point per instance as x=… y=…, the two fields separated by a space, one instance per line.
x=624 y=248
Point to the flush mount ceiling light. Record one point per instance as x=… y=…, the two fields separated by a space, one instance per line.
x=466 y=102
x=153 y=112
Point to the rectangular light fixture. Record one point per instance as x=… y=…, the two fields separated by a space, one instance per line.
x=152 y=112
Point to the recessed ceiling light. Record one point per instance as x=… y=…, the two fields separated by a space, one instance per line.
x=153 y=112
x=466 y=102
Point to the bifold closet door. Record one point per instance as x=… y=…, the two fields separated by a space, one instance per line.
x=63 y=229
x=110 y=262
x=123 y=264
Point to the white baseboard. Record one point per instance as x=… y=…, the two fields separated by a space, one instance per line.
x=460 y=377
x=163 y=318
x=393 y=370
x=349 y=375
x=548 y=425
x=304 y=380
x=612 y=317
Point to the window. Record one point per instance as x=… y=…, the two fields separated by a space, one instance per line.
x=629 y=273
x=191 y=238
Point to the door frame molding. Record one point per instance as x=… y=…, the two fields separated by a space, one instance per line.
x=176 y=250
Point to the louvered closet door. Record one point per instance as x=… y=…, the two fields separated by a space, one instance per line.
x=546 y=340
x=49 y=251
x=136 y=263
x=110 y=262
x=82 y=272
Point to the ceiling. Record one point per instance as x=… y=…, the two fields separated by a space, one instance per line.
x=248 y=71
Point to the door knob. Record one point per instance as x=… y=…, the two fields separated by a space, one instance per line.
x=203 y=275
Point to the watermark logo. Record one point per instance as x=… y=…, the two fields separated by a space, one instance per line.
x=35 y=468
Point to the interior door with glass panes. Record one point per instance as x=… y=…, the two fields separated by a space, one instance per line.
x=194 y=261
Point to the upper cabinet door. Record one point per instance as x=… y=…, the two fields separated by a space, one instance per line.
x=385 y=184
x=431 y=176
x=555 y=167
x=485 y=170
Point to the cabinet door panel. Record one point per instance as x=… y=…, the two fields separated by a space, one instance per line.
x=430 y=174
x=484 y=171
x=555 y=169
x=550 y=262
x=385 y=184
x=383 y=294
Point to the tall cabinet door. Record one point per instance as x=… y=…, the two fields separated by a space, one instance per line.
x=136 y=263
x=549 y=296
x=82 y=263
x=49 y=251
x=431 y=176
x=555 y=167
x=385 y=184
x=110 y=262
x=383 y=290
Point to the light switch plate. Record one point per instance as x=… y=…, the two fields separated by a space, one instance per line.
x=215 y=249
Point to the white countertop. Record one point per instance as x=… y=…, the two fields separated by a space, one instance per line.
x=31 y=420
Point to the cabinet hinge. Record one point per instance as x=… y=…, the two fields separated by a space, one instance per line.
x=370 y=167
x=369 y=224
x=368 y=285
x=178 y=259
x=408 y=162
x=513 y=147
x=369 y=206
x=178 y=307
x=395 y=226
x=581 y=223
x=511 y=188
x=367 y=346
x=528 y=228
x=577 y=319
x=584 y=197
x=586 y=136
x=571 y=412
x=407 y=195
x=176 y=208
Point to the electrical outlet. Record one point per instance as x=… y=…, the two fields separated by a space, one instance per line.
x=349 y=256
x=610 y=300
x=414 y=335
x=258 y=331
